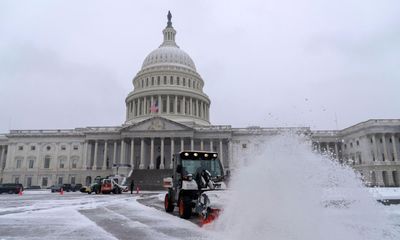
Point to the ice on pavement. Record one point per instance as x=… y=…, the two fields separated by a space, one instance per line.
x=82 y=216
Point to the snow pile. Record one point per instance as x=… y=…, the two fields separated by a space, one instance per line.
x=288 y=192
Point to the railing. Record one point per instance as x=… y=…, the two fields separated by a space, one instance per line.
x=42 y=131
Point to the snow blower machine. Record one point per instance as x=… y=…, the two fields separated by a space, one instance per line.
x=195 y=173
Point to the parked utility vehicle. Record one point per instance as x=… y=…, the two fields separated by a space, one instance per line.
x=194 y=173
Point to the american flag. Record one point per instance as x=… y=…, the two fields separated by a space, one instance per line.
x=154 y=107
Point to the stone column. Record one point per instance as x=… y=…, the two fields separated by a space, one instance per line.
x=182 y=144
x=394 y=148
x=105 y=155
x=184 y=105
x=39 y=162
x=89 y=155
x=192 y=144
x=141 y=165
x=221 y=153
x=162 y=154
x=2 y=157
x=168 y=103
x=201 y=145
x=160 y=105
x=10 y=150
x=336 y=150
x=145 y=106
x=57 y=146
x=151 y=153
x=211 y=145
x=96 y=145
x=201 y=110
x=176 y=104
x=385 y=152
x=85 y=151
x=138 y=107
x=375 y=148
x=172 y=153
x=191 y=106
x=122 y=158
x=115 y=152
x=132 y=153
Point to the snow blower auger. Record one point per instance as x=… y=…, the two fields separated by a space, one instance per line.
x=207 y=213
x=194 y=174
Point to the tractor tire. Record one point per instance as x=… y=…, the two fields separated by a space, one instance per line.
x=168 y=204
x=185 y=208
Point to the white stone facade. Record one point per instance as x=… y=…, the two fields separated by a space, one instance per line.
x=168 y=112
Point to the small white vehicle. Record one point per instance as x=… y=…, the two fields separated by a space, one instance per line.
x=194 y=173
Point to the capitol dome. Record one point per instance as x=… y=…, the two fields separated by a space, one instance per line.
x=168 y=86
x=168 y=55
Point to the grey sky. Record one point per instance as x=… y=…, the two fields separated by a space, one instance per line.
x=67 y=64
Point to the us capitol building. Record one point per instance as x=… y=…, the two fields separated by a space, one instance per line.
x=168 y=112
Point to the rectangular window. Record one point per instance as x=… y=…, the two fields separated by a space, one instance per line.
x=383 y=157
x=60 y=180
x=61 y=163
x=73 y=180
x=76 y=147
x=158 y=80
x=171 y=80
x=184 y=82
x=29 y=181
x=152 y=81
x=178 y=81
x=46 y=162
x=74 y=163
x=20 y=148
x=19 y=163
x=165 y=80
x=63 y=147
x=44 y=181
x=31 y=162
x=33 y=148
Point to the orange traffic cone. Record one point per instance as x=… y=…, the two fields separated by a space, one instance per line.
x=61 y=191
x=137 y=190
x=20 y=192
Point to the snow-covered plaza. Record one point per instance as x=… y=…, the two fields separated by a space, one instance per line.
x=44 y=215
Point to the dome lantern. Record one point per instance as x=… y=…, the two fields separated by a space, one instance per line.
x=169 y=33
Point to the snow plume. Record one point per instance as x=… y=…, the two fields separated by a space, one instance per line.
x=286 y=191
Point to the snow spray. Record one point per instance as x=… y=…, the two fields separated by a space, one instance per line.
x=287 y=191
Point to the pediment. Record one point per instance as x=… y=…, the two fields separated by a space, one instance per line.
x=156 y=124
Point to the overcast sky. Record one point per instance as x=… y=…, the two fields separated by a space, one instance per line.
x=323 y=64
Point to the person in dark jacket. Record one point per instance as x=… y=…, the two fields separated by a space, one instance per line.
x=132 y=186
